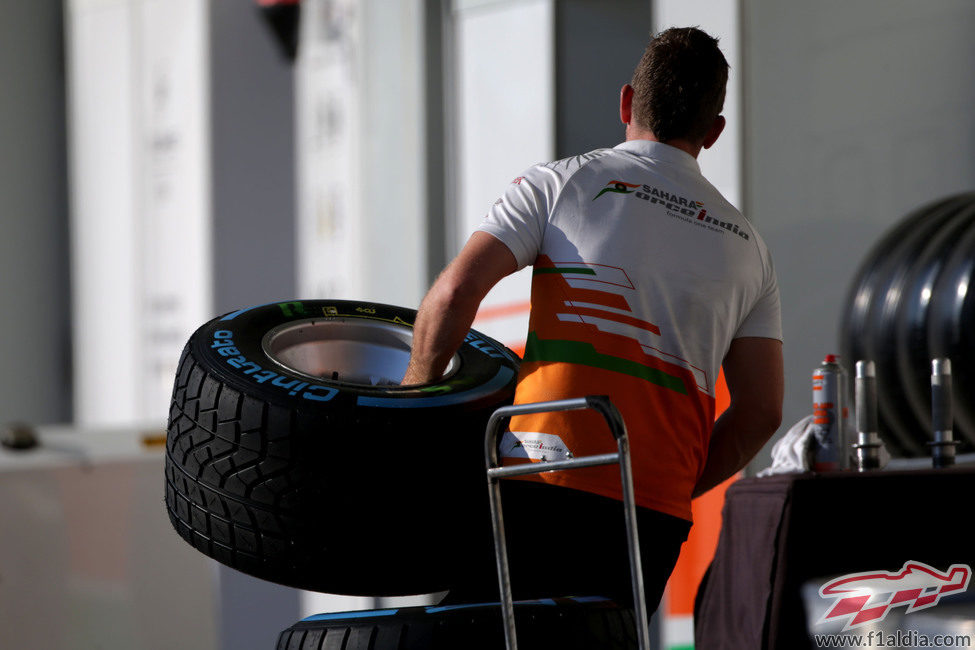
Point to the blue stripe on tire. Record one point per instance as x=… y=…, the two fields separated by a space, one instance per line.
x=363 y=614
x=237 y=313
x=449 y=608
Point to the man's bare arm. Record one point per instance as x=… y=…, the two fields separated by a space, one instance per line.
x=447 y=311
x=753 y=370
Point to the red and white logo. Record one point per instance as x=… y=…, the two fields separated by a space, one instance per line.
x=869 y=596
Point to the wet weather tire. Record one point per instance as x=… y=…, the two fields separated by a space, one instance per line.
x=566 y=624
x=910 y=302
x=293 y=454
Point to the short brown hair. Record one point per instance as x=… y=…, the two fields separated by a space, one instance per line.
x=679 y=84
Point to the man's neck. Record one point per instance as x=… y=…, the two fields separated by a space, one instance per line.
x=634 y=132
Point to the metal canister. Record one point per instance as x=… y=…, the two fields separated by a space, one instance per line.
x=867 y=444
x=943 y=445
x=829 y=415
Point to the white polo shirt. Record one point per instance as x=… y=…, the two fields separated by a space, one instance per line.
x=643 y=275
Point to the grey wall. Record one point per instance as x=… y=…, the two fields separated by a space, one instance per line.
x=435 y=74
x=35 y=303
x=252 y=117
x=856 y=113
x=597 y=46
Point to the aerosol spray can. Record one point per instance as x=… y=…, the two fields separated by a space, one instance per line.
x=830 y=415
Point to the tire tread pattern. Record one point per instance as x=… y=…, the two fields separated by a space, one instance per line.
x=571 y=626
x=228 y=492
x=303 y=491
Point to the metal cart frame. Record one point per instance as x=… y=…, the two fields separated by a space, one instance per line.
x=602 y=405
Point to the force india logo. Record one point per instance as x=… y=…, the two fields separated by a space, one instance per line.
x=672 y=202
x=869 y=596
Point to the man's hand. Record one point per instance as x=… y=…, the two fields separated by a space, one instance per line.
x=753 y=370
x=447 y=311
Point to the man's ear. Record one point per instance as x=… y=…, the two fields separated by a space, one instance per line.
x=714 y=132
x=626 y=103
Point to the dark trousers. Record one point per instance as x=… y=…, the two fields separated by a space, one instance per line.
x=564 y=542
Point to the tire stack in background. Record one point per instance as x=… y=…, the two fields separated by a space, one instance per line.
x=910 y=303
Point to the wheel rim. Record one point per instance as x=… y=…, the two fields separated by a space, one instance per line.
x=350 y=351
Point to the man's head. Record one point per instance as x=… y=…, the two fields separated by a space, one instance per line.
x=678 y=88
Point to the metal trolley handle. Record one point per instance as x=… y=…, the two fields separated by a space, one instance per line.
x=601 y=404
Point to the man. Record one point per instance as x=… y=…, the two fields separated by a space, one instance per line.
x=646 y=281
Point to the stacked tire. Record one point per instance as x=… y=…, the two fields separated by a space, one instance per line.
x=563 y=623
x=910 y=303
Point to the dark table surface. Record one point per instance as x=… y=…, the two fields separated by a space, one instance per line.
x=782 y=531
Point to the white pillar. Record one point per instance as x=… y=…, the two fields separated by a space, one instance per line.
x=140 y=219
x=361 y=151
x=503 y=100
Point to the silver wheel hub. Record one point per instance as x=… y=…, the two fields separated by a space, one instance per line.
x=347 y=350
